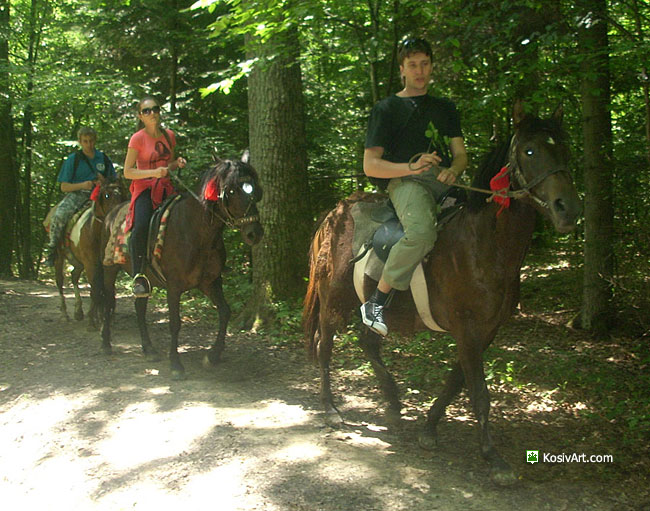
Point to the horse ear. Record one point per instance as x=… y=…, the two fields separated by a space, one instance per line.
x=518 y=112
x=246 y=157
x=101 y=178
x=215 y=156
x=558 y=115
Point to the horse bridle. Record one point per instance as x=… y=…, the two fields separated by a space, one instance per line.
x=246 y=218
x=228 y=219
x=95 y=217
x=525 y=187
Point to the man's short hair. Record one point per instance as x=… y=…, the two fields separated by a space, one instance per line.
x=86 y=131
x=411 y=45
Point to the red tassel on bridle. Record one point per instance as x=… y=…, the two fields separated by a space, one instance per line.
x=500 y=184
x=95 y=194
x=211 y=191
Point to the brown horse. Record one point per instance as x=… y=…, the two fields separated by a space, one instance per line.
x=472 y=274
x=82 y=252
x=193 y=255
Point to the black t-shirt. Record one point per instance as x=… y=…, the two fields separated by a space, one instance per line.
x=402 y=127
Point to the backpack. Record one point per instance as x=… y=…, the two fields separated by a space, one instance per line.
x=77 y=157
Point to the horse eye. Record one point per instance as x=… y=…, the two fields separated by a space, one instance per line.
x=231 y=191
x=107 y=196
x=247 y=187
x=530 y=152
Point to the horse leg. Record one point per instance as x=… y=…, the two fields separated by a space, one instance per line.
x=108 y=298
x=471 y=360
x=58 y=273
x=93 y=313
x=428 y=438
x=324 y=342
x=78 y=306
x=214 y=291
x=173 y=302
x=141 y=314
x=370 y=343
x=95 y=276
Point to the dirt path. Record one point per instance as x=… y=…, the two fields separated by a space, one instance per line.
x=82 y=431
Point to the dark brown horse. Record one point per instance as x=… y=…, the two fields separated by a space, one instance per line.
x=472 y=275
x=193 y=254
x=83 y=251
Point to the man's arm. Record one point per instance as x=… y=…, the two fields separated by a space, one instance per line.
x=458 y=163
x=375 y=166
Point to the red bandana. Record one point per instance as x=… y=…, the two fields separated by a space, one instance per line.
x=95 y=194
x=500 y=184
x=211 y=191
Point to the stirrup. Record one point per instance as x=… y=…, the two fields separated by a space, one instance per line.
x=139 y=290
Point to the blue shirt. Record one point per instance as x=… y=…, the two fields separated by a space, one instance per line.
x=84 y=172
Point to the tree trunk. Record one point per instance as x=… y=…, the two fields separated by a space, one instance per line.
x=36 y=20
x=599 y=166
x=8 y=178
x=278 y=153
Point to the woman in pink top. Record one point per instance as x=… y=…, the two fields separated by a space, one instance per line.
x=149 y=160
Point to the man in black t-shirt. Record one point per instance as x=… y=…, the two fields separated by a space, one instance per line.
x=414 y=149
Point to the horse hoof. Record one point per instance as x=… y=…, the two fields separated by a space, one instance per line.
x=393 y=417
x=178 y=375
x=210 y=360
x=428 y=440
x=503 y=476
x=152 y=355
x=332 y=416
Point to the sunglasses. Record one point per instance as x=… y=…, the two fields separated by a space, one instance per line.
x=149 y=111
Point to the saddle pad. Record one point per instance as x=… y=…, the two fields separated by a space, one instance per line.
x=48 y=218
x=117 y=246
x=158 y=227
x=78 y=221
x=371 y=265
x=157 y=232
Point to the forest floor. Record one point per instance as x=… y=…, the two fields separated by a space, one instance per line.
x=82 y=430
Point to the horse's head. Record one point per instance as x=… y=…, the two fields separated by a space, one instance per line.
x=111 y=193
x=539 y=159
x=232 y=186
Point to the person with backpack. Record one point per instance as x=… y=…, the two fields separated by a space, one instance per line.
x=78 y=176
x=149 y=160
x=414 y=149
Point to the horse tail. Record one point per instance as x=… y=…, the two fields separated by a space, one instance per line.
x=311 y=304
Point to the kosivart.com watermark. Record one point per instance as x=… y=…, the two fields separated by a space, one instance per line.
x=545 y=457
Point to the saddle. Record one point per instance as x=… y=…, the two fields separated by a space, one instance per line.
x=118 y=243
x=376 y=230
x=48 y=218
x=72 y=233
x=387 y=229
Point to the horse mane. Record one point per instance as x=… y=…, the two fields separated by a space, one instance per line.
x=225 y=174
x=490 y=165
x=494 y=161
